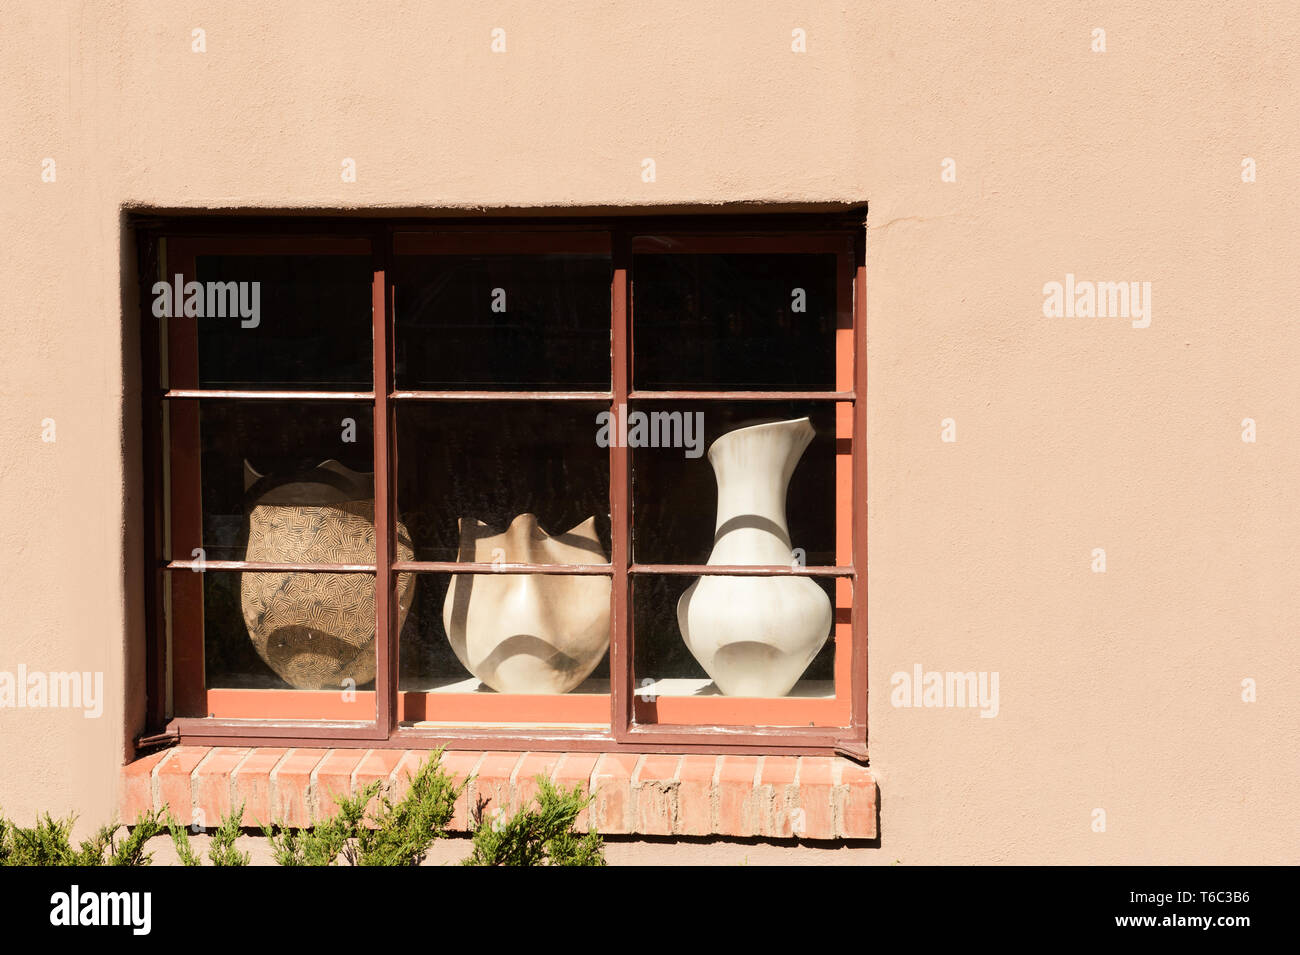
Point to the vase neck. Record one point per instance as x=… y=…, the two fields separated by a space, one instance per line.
x=753 y=468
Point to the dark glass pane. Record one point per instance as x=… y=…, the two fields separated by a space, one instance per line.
x=290 y=482
x=512 y=322
x=288 y=630
x=303 y=322
x=664 y=664
x=511 y=633
x=533 y=467
x=675 y=488
x=745 y=322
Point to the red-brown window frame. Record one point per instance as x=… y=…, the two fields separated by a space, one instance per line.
x=842 y=234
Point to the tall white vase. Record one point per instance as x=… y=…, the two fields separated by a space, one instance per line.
x=755 y=636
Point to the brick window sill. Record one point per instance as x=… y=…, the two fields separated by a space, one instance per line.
x=809 y=797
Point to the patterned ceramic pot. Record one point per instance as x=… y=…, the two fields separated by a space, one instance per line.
x=316 y=630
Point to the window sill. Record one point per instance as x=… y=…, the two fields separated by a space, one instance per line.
x=808 y=797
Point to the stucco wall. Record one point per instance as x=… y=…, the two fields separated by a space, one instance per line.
x=1119 y=691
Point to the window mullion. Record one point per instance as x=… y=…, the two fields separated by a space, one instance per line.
x=620 y=498
x=385 y=638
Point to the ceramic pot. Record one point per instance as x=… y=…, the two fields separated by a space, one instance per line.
x=528 y=633
x=755 y=636
x=316 y=630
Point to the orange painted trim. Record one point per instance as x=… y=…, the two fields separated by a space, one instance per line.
x=411 y=707
x=748 y=711
x=568 y=708
x=581 y=708
x=290 y=704
x=843 y=637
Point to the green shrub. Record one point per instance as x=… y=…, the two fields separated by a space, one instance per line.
x=395 y=834
x=399 y=834
x=541 y=836
x=222 y=848
x=49 y=843
x=182 y=842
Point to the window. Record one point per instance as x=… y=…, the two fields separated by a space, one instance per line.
x=556 y=484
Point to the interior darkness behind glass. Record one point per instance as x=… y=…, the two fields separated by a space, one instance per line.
x=733 y=322
x=312 y=329
x=508 y=322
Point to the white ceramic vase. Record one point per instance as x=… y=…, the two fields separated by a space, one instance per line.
x=528 y=633
x=755 y=636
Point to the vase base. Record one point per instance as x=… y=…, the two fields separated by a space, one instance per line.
x=749 y=668
x=528 y=665
x=309 y=659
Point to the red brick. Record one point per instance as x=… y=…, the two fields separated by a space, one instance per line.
x=611 y=781
x=251 y=785
x=654 y=788
x=575 y=769
x=737 y=813
x=779 y=796
x=811 y=797
x=492 y=787
x=816 y=785
x=291 y=803
x=855 y=801
x=408 y=764
x=375 y=767
x=175 y=789
x=460 y=766
x=695 y=795
x=137 y=786
x=526 y=772
x=212 y=796
x=332 y=779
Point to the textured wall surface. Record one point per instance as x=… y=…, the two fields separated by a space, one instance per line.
x=1120 y=691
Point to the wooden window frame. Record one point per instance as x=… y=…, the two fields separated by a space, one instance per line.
x=713 y=725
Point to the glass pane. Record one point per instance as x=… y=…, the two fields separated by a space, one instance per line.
x=277 y=322
x=676 y=504
x=272 y=645
x=522 y=482
x=743 y=322
x=491 y=634
x=289 y=630
x=513 y=322
x=734 y=636
x=290 y=482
